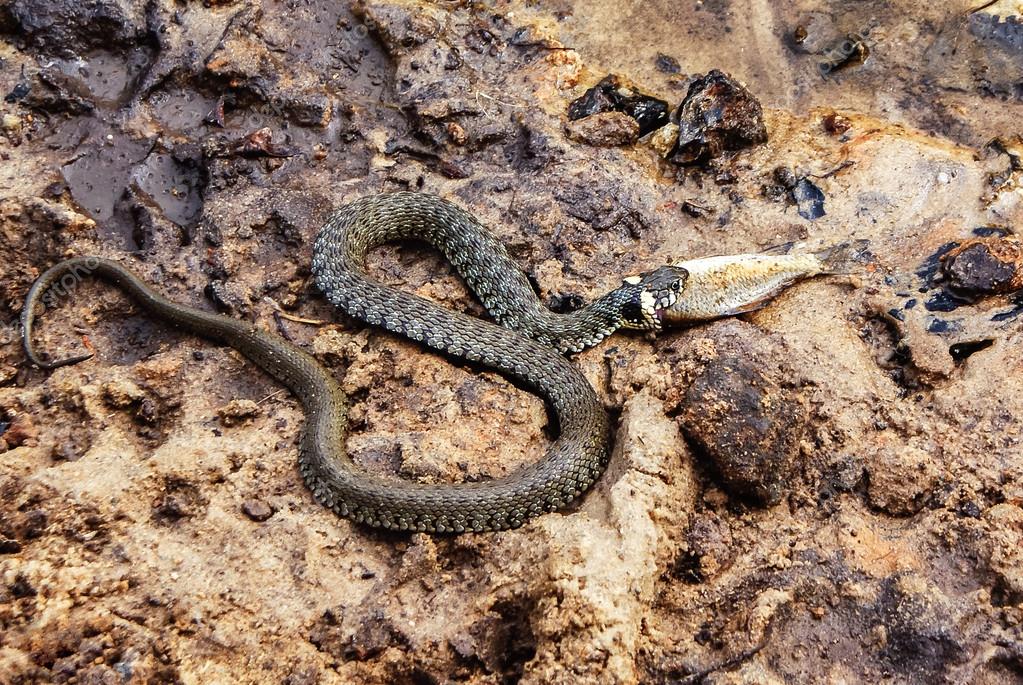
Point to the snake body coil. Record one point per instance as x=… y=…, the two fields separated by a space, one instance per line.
x=572 y=463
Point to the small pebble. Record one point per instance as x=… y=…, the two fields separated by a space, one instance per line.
x=11 y=122
x=257 y=510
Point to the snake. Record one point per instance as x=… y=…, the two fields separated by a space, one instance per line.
x=527 y=342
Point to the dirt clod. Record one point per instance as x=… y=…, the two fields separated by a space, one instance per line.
x=901 y=478
x=237 y=411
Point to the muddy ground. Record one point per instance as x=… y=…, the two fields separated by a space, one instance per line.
x=827 y=490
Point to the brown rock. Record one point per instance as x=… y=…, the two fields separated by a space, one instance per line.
x=604 y=129
x=257 y=510
x=747 y=425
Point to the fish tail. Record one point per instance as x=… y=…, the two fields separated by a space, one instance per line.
x=845 y=258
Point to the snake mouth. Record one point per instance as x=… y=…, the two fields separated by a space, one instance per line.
x=664 y=303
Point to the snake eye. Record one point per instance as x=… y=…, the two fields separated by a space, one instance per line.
x=675 y=286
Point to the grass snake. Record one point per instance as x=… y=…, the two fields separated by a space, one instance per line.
x=528 y=347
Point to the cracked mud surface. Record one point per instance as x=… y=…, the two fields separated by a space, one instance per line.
x=827 y=490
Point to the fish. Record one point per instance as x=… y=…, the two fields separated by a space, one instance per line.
x=727 y=285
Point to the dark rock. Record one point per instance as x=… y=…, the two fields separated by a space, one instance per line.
x=944 y=301
x=809 y=199
x=9 y=546
x=718 y=114
x=19 y=92
x=746 y=424
x=257 y=510
x=609 y=95
x=989 y=231
x=940 y=326
x=600 y=98
x=960 y=351
x=985 y=266
x=836 y=124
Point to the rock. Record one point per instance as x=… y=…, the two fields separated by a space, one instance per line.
x=609 y=95
x=836 y=124
x=257 y=510
x=900 y=479
x=664 y=139
x=10 y=122
x=605 y=129
x=236 y=411
x=9 y=546
x=717 y=115
x=747 y=425
x=809 y=199
x=985 y=266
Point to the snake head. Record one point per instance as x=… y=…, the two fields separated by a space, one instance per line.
x=649 y=294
